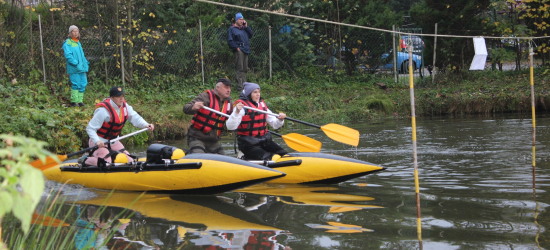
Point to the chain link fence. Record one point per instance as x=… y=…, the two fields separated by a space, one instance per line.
x=202 y=52
x=149 y=53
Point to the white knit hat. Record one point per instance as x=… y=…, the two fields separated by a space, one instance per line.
x=72 y=28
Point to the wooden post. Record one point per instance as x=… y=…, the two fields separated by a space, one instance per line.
x=202 y=57
x=30 y=33
x=394 y=57
x=435 y=46
x=42 y=49
x=102 y=44
x=122 y=59
x=270 y=63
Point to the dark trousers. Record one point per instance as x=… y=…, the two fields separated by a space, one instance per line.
x=241 y=67
x=197 y=146
x=262 y=148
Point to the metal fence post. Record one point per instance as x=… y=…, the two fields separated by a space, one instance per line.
x=270 y=65
x=42 y=50
x=394 y=57
x=435 y=46
x=202 y=58
x=122 y=59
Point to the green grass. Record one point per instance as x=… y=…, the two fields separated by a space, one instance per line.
x=34 y=110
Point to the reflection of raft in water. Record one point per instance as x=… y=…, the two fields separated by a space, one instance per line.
x=191 y=174
x=294 y=194
x=205 y=213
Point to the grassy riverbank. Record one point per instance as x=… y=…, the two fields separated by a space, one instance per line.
x=32 y=109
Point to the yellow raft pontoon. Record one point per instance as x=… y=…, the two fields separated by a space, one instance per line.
x=167 y=172
x=320 y=168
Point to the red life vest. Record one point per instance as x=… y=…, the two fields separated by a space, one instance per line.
x=205 y=120
x=253 y=123
x=110 y=130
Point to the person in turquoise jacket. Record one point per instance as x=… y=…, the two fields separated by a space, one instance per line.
x=77 y=66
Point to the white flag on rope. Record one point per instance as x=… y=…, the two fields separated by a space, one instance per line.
x=481 y=54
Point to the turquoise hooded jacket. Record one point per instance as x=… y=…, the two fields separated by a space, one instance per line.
x=76 y=62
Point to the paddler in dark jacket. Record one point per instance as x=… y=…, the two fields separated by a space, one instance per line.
x=253 y=138
x=204 y=133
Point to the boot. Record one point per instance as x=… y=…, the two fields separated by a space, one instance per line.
x=74 y=98
x=80 y=99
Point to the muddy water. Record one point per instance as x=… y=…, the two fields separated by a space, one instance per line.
x=476 y=185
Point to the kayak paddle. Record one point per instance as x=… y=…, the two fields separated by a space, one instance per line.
x=51 y=161
x=334 y=131
x=298 y=142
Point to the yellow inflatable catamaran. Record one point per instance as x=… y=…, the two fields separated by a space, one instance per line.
x=168 y=170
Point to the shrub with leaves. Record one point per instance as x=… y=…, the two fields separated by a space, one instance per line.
x=21 y=185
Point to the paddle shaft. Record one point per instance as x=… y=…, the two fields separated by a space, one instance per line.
x=226 y=115
x=288 y=118
x=109 y=141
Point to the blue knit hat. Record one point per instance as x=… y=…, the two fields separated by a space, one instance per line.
x=248 y=87
x=238 y=16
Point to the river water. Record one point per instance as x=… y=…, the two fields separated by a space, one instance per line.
x=477 y=191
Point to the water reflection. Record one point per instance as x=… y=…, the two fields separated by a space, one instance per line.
x=246 y=219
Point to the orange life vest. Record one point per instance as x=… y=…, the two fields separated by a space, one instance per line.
x=205 y=120
x=110 y=130
x=253 y=123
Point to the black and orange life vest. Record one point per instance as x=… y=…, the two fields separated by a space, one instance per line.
x=205 y=120
x=253 y=123
x=110 y=130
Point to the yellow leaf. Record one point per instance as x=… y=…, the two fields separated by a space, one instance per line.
x=496 y=23
x=460 y=16
x=187 y=31
x=175 y=31
x=169 y=41
x=159 y=26
x=448 y=6
x=107 y=43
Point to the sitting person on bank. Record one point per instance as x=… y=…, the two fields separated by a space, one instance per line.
x=109 y=118
x=253 y=138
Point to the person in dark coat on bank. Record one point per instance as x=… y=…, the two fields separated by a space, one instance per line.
x=238 y=37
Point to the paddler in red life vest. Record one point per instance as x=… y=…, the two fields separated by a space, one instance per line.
x=253 y=138
x=204 y=133
x=109 y=118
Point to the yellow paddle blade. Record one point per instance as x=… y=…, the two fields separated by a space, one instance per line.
x=49 y=162
x=302 y=143
x=341 y=133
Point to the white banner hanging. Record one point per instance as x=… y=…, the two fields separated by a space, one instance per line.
x=481 y=54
